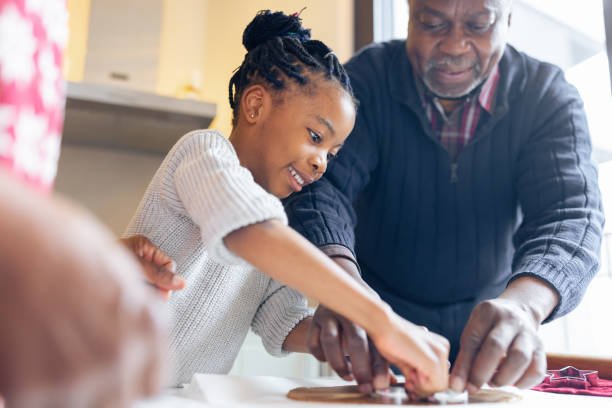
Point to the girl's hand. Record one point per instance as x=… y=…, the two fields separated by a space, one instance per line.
x=422 y=356
x=159 y=268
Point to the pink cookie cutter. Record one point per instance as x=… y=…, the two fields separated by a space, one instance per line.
x=571 y=377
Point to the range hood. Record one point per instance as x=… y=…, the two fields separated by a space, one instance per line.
x=117 y=117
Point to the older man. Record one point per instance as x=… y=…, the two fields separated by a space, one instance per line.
x=465 y=196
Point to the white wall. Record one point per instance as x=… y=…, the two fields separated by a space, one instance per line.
x=108 y=182
x=253 y=359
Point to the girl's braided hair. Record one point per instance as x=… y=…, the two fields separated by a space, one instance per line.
x=278 y=47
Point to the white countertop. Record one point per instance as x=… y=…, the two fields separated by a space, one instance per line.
x=225 y=391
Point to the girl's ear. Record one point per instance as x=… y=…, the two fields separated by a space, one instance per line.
x=253 y=102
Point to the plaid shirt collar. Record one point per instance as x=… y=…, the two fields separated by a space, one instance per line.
x=454 y=130
x=486 y=92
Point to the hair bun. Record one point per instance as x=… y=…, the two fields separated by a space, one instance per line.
x=267 y=25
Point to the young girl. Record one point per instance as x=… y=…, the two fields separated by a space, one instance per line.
x=213 y=206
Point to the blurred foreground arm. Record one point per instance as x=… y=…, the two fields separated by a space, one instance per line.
x=79 y=327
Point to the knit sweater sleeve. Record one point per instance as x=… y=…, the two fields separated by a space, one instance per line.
x=217 y=192
x=323 y=212
x=281 y=310
x=560 y=236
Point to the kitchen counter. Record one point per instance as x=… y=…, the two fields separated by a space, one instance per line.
x=208 y=390
x=121 y=118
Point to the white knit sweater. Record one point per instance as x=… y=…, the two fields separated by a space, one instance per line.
x=199 y=195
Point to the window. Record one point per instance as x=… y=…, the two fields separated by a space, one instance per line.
x=572 y=35
x=390 y=19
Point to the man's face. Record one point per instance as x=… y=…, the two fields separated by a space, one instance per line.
x=454 y=45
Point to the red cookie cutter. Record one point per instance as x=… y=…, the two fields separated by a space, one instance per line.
x=571 y=377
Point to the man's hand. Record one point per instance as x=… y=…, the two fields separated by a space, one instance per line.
x=500 y=343
x=332 y=338
x=159 y=268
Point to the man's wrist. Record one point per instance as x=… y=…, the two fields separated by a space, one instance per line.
x=346 y=260
x=536 y=296
x=338 y=252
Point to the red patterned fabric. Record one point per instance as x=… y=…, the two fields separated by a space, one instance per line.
x=33 y=34
x=604 y=389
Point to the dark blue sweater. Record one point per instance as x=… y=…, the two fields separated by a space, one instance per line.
x=524 y=200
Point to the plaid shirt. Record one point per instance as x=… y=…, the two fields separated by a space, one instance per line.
x=455 y=130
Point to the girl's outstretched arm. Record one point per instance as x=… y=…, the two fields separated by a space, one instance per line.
x=286 y=256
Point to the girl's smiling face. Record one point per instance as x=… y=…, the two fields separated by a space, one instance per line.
x=293 y=135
